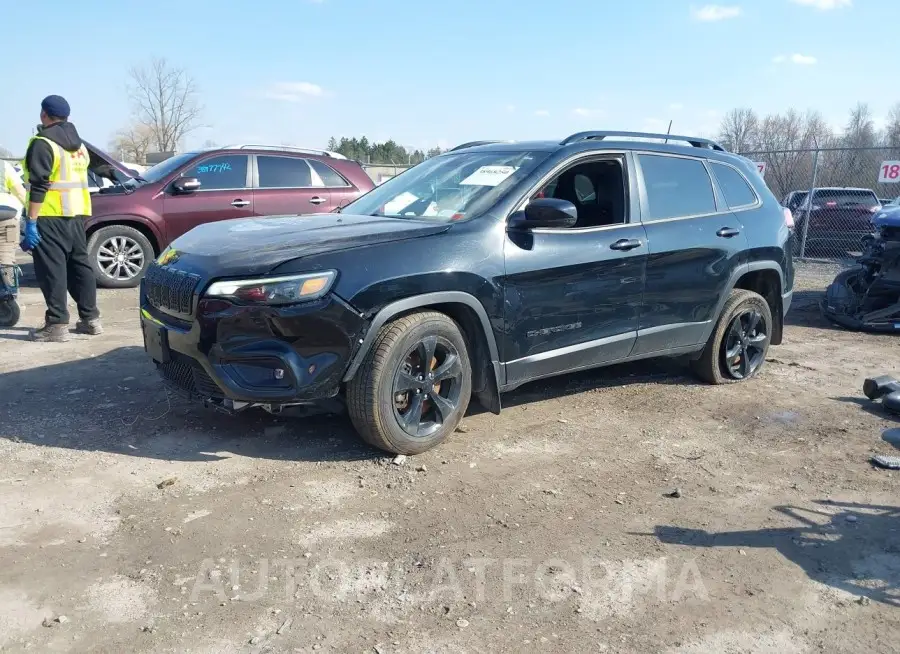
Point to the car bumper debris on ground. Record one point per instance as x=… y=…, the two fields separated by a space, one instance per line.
x=133 y=521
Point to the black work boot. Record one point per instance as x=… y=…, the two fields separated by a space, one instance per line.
x=51 y=334
x=90 y=327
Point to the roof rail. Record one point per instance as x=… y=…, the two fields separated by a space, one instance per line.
x=599 y=136
x=472 y=144
x=290 y=148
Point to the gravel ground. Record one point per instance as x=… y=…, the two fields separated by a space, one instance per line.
x=630 y=509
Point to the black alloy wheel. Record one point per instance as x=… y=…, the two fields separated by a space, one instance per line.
x=745 y=344
x=427 y=386
x=414 y=385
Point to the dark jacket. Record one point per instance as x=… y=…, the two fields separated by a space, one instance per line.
x=39 y=158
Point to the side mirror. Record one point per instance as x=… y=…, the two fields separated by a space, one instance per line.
x=185 y=185
x=546 y=212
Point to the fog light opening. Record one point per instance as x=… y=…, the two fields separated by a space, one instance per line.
x=279 y=373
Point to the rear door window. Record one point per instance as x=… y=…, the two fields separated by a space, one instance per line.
x=677 y=187
x=283 y=172
x=734 y=187
x=220 y=173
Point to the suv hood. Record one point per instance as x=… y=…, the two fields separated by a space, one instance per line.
x=254 y=246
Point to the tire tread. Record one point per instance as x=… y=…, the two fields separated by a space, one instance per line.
x=363 y=389
x=707 y=366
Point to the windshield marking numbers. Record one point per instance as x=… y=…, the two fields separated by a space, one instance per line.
x=214 y=168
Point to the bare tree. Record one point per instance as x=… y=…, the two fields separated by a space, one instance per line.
x=164 y=99
x=892 y=129
x=739 y=130
x=132 y=143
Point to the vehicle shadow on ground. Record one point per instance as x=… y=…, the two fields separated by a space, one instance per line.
x=805 y=311
x=854 y=549
x=869 y=406
x=117 y=403
x=656 y=371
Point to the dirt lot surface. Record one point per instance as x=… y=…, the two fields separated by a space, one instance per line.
x=132 y=522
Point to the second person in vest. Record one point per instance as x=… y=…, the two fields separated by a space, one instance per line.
x=56 y=176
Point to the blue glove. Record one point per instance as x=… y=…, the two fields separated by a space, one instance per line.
x=32 y=236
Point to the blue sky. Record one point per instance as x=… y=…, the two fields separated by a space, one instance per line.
x=427 y=73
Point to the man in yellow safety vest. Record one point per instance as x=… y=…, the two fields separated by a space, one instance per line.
x=56 y=176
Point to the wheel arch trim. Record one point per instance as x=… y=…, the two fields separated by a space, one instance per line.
x=420 y=302
x=740 y=271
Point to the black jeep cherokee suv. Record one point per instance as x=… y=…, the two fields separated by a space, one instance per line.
x=477 y=271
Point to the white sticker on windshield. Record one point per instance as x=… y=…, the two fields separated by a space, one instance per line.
x=488 y=176
x=399 y=203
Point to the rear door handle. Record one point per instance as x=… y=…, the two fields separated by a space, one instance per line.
x=728 y=232
x=318 y=200
x=240 y=203
x=625 y=244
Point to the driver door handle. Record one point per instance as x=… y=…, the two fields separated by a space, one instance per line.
x=317 y=200
x=240 y=203
x=728 y=232
x=625 y=244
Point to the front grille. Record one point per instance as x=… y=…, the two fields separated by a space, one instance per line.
x=187 y=376
x=170 y=289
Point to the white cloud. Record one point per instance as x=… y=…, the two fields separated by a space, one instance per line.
x=796 y=58
x=712 y=13
x=542 y=113
x=803 y=60
x=583 y=112
x=676 y=106
x=510 y=108
x=824 y=5
x=294 y=91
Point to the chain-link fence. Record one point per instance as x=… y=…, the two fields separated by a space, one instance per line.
x=381 y=173
x=833 y=193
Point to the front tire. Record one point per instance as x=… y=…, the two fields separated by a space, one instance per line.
x=414 y=385
x=737 y=348
x=119 y=255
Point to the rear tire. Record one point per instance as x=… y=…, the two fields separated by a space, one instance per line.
x=737 y=348
x=136 y=249
x=396 y=380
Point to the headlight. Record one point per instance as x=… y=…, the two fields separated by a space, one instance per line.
x=275 y=290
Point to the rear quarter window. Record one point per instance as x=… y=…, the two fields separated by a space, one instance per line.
x=735 y=188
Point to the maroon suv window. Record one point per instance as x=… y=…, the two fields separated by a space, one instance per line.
x=283 y=172
x=329 y=176
x=223 y=172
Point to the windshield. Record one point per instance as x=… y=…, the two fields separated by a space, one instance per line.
x=165 y=168
x=449 y=187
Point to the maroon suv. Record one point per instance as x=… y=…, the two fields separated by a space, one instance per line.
x=135 y=220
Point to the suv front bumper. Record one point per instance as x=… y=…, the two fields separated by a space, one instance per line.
x=237 y=356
